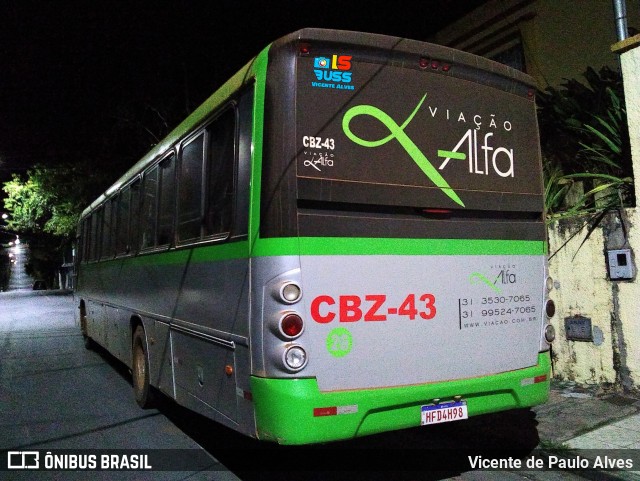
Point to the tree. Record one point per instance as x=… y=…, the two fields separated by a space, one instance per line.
x=50 y=199
x=25 y=203
x=44 y=207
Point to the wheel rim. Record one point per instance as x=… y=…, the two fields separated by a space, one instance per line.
x=139 y=371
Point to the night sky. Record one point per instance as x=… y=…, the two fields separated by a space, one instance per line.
x=74 y=74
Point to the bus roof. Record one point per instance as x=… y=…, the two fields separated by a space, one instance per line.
x=375 y=42
x=198 y=116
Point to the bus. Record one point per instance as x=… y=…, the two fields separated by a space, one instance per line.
x=346 y=238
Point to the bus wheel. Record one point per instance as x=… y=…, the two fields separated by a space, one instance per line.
x=140 y=367
x=88 y=342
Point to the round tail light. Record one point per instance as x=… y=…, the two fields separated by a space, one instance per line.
x=295 y=358
x=291 y=325
x=290 y=293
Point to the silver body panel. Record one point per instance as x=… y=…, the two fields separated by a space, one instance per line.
x=406 y=320
x=195 y=313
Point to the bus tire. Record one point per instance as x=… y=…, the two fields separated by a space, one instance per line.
x=88 y=342
x=140 y=370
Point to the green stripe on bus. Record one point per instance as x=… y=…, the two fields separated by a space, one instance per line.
x=194 y=255
x=386 y=246
x=318 y=246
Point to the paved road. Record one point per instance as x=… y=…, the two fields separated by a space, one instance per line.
x=54 y=395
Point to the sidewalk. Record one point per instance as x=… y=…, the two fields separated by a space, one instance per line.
x=590 y=419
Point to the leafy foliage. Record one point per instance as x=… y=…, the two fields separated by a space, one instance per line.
x=45 y=203
x=585 y=142
x=25 y=203
x=50 y=199
x=44 y=207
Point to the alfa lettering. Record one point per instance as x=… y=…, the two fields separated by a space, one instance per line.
x=482 y=156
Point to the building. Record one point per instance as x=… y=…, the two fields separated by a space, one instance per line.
x=597 y=316
x=549 y=39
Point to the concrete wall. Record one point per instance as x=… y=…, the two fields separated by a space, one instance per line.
x=629 y=52
x=582 y=283
x=583 y=288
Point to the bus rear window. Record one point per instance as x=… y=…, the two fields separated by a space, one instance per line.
x=370 y=133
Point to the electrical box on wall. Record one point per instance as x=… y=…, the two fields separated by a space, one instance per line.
x=620 y=264
x=578 y=328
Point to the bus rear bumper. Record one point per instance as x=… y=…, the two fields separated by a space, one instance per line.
x=295 y=411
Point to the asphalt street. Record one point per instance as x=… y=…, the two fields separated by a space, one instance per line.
x=58 y=397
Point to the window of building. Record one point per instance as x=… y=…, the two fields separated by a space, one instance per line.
x=512 y=55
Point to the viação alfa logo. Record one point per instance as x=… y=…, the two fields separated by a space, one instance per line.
x=397 y=132
x=333 y=69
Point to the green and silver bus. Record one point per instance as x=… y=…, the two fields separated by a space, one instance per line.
x=346 y=238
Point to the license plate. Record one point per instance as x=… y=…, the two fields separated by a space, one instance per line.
x=444 y=413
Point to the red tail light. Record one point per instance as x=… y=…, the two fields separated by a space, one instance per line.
x=305 y=49
x=291 y=325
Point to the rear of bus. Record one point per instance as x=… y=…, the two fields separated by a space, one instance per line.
x=399 y=269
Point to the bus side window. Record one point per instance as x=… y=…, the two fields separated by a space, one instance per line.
x=91 y=230
x=167 y=200
x=123 y=222
x=96 y=233
x=134 y=217
x=190 y=190
x=220 y=163
x=243 y=165
x=149 y=209
x=82 y=242
x=105 y=241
